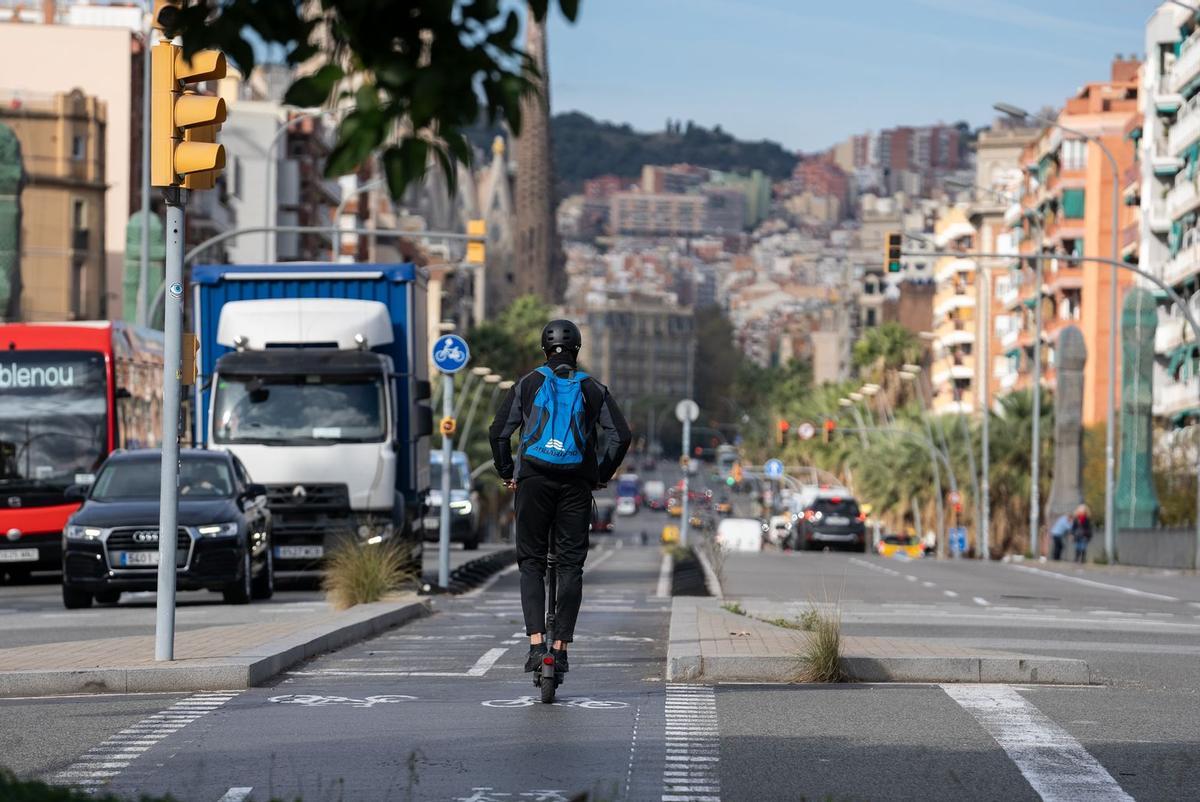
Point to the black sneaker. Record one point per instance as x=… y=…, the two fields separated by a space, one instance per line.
x=560 y=661
x=534 y=661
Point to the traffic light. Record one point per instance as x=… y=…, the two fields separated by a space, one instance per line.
x=183 y=124
x=476 y=251
x=891 y=261
x=166 y=16
x=697 y=451
x=781 y=432
x=737 y=473
x=828 y=429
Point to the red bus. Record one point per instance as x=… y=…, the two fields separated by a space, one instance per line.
x=70 y=393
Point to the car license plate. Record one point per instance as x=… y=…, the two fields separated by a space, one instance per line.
x=299 y=552
x=837 y=520
x=433 y=523
x=18 y=555
x=136 y=558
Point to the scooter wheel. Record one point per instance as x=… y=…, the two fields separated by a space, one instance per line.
x=548 y=691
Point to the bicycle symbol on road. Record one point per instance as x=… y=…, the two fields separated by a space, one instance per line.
x=582 y=702
x=347 y=701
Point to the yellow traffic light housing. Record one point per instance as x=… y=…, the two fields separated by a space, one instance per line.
x=183 y=124
x=165 y=15
x=476 y=251
x=892 y=252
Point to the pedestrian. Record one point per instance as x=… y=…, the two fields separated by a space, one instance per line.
x=1058 y=534
x=572 y=440
x=1081 y=532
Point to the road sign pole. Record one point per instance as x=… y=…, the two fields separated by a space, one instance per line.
x=686 y=462
x=447 y=464
x=168 y=498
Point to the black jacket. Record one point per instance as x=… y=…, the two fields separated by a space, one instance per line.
x=608 y=434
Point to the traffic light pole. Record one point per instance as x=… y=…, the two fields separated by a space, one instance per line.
x=447 y=464
x=168 y=499
x=686 y=462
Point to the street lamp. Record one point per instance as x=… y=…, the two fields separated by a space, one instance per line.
x=492 y=379
x=913 y=376
x=1110 y=518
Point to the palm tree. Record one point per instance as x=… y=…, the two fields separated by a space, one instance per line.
x=882 y=351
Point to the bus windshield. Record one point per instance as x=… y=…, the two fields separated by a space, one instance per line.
x=299 y=410
x=53 y=422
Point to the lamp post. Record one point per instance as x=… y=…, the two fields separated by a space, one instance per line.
x=492 y=379
x=269 y=189
x=846 y=403
x=1110 y=518
x=933 y=455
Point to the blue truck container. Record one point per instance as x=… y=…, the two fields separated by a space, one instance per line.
x=400 y=287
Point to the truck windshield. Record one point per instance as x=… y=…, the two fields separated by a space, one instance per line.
x=299 y=410
x=53 y=422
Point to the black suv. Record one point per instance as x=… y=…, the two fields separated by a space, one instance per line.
x=832 y=520
x=110 y=544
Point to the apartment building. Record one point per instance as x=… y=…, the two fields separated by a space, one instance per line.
x=657 y=214
x=953 y=373
x=1068 y=185
x=1166 y=189
x=63 y=139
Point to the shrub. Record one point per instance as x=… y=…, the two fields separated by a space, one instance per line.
x=361 y=573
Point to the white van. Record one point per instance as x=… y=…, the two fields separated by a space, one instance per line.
x=740 y=534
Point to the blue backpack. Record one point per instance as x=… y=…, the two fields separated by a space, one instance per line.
x=554 y=432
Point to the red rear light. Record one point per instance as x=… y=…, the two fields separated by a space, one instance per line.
x=838 y=499
x=862 y=516
x=548 y=660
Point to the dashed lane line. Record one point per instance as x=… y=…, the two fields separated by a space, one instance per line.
x=1055 y=764
x=982 y=602
x=950 y=594
x=236 y=794
x=101 y=763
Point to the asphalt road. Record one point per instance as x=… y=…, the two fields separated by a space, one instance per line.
x=440 y=710
x=32 y=612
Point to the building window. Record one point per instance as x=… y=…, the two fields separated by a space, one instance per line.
x=79 y=215
x=1073 y=203
x=870 y=317
x=79 y=289
x=237 y=177
x=1074 y=154
x=78 y=148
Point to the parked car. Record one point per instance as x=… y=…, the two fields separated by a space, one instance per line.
x=901 y=545
x=832 y=520
x=602 y=515
x=655 y=493
x=724 y=507
x=464 y=501
x=674 y=507
x=223 y=540
x=626 y=505
x=670 y=534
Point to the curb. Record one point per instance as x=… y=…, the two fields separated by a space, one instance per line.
x=711 y=580
x=687 y=663
x=474 y=573
x=246 y=669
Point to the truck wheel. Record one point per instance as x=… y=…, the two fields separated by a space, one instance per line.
x=239 y=591
x=75 y=599
x=108 y=596
x=263 y=585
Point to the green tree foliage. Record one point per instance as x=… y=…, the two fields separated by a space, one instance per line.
x=510 y=344
x=419 y=72
x=585 y=148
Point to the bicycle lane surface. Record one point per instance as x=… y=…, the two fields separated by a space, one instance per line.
x=440 y=709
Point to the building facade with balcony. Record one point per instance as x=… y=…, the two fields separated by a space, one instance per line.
x=63 y=267
x=1066 y=210
x=1168 y=198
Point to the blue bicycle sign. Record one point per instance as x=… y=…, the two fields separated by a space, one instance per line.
x=450 y=353
x=773 y=469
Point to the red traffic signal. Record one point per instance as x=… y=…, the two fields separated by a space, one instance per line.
x=697 y=451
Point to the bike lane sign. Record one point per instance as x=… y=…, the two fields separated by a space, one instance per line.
x=450 y=353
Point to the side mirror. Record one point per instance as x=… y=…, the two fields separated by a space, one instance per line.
x=254 y=490
x=424 y=421
x=76 y=492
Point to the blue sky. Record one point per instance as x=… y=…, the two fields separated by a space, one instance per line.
x=807 y=73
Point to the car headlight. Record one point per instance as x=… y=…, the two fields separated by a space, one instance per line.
x=218 y=530
x=461 y=507
x=376 y=532
x=74 y=532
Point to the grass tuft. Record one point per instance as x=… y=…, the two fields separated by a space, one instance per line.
x=821 y=657
x=733 y=607
x=361 y=573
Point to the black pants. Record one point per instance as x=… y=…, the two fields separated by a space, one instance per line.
x=1057 y=540
x=562 y=509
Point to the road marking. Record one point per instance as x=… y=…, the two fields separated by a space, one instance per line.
x=690 y=772
x=1094 y=584
x=982 y=602
x=910 y=577
x=106 y=760
x=236 y=794
x=927 y=585
x=951 y=594
x=1056 y=765
x=347 y=701
x=485 y=662
x=599 y=561
x=873 y=566
x=664 y=577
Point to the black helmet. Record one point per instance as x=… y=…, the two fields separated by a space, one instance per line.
x=561 y=335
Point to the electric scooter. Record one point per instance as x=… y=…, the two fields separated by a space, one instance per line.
x=547 y=679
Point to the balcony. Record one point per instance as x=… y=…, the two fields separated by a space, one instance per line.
x=1184 y=264
x=952 y=268
x=1172 y=332
x=1156 y=216
x=1167 y=103
x=1186 y=128
x=1010 y=338
x=1172 y=396
x=1183 y=197
x=953 y=302
x=943 y=372
x=1186 y=68
x=1064 y=278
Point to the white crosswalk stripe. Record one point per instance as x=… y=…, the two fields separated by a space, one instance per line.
x=690 y=769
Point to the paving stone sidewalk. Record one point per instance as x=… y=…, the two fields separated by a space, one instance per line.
x=708 y=643
x=210 y=658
